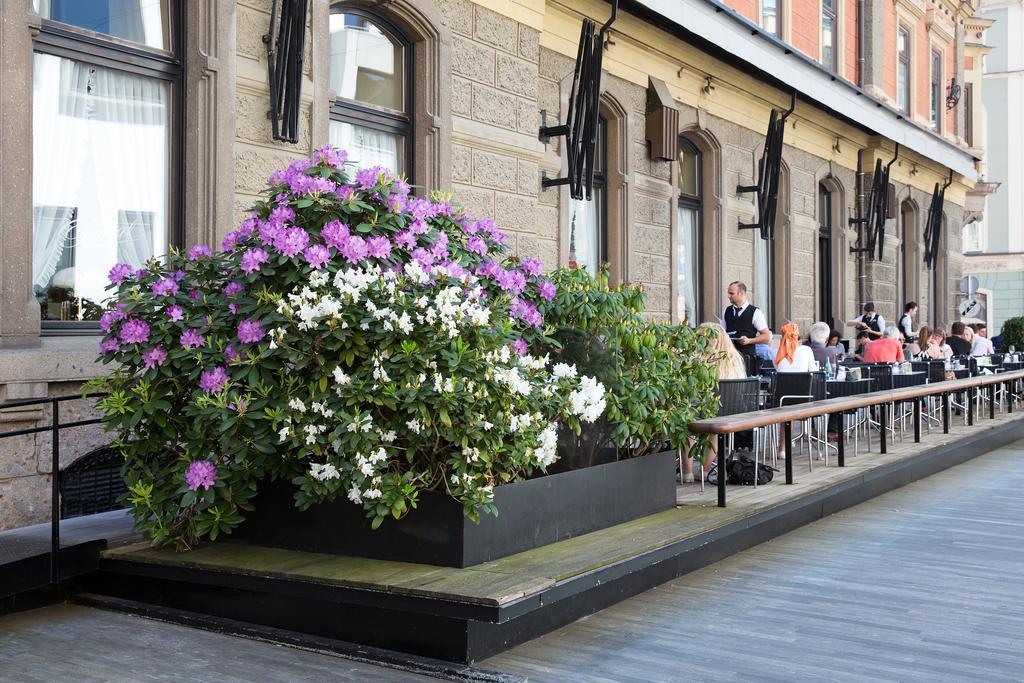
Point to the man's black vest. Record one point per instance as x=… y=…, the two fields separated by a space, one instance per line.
x=872 y=322
x=741 y=325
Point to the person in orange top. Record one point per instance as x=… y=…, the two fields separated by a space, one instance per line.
x=888 y=349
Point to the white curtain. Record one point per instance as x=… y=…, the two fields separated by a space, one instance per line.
x=367 y=147
x=51 y=228
x=134 y=237
x=686 y=266
x=585 y=231
x=100 y=146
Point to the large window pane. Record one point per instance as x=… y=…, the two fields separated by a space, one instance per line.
x=138 y=21
x=366 y=63
x=585 y=221
x=903 y=69
x=100 y=180
x=688 y=242
x=368 y=146
x=763 y=277
x=770 y=16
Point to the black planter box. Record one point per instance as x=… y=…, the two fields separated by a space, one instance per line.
x=530 y=514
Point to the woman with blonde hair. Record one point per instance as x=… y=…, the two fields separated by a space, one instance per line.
x=730 y=366
x=727 y=358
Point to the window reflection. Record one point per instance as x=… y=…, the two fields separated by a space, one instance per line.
x=138 y=21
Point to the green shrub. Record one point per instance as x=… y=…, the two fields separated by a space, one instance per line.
x=1013 y=335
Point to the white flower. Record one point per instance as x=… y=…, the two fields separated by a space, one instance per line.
x=405 y=323
x=340 y=377
x=587 y=402
x=362 y=423
x=547 y=444
x=378 y=456
x=372 y=494
x=415 y=426
x=283 y=434
x=323 y=472
x=297 y=404
x=354 y=495
x=563 y=370
x=388 y=436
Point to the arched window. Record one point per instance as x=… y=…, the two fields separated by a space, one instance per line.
x=906 y=269
x=588 y=220
x=689 y=249
x=371 y=64
x=826 y=271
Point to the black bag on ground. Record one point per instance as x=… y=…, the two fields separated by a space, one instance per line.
x=740 y=470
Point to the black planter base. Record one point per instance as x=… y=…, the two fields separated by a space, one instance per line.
x=531 y=513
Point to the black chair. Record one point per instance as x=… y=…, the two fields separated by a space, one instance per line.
x=793 y=388
x=735 y=397
x=92 y=483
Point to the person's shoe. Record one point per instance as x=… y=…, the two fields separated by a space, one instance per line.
x=688 y=478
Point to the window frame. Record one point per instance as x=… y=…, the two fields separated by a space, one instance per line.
x=904 y=60
x=600 y=184
x=826 y=275
x=778 y=18
x=88 y=47
x=380 y=118
x=937 y=101
x=832 y=14
x=695 y=203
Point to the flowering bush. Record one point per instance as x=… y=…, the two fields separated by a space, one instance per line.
x=352 y=338
x=659 y=377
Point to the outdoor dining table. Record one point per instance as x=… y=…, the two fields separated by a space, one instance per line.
x=841 y=388
x=908 y=379
x=962 y=373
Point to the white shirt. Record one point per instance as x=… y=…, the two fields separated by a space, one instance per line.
x=803 y=360
x=906 y=325
x=881 y=321
x=760 y=322
x=982 y=346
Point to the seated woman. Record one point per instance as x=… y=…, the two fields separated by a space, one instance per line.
x=923 y=336
x=792 y=355
x=835 y=338
x=938 y=349
x=888 y=349
x=730 y=365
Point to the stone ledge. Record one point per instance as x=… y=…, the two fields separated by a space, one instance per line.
x=57 y=359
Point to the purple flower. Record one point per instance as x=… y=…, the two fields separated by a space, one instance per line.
x=331 y=156
x=108 y=319
x=199 y=251
x=233 y=308
x=269 y=232
x=192 y=339
x=231 y=353
x=378 y=246
x=418 y=227
x=232 y=288
x=519 y=346
x=201 y=473
x=154 y=357
x=253 y=258
x=532 y=266
x=195 y=295
x=511 y=280
x=526 y=312
x=214 y=380
x=423 y=257
x=175 y=313
x=165 y=287
x=547 y=289
x=231 y=240
x=490 y=268
x=354 y=249
x=119 y=273
x=317 y=256
x=406 y=238
x=179 y=275
x=250 y=331
x=367 y=178
x=477 y=245
x=134 y=332
x=291 y=241
x=335 y=233
x=109 y=345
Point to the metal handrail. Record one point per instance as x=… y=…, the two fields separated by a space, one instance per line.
x=725 y=425
x=54 y=428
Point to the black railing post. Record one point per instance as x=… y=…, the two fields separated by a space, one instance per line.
x=945 y=413
x=917 y=420
x=787 y=435
x=721 y=470
x=991 y=401
x=1008 y=388
x=841 y=440
x=55 y=493
x=970 y=406
x=882 y=427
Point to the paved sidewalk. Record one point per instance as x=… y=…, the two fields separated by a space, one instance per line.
x=925 y=583
x=72 y=643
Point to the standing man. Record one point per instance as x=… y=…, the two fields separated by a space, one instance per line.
x=906 y=323
x=745 y=325
x=869 y=322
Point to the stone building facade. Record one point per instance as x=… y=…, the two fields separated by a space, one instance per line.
x=479 y=77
